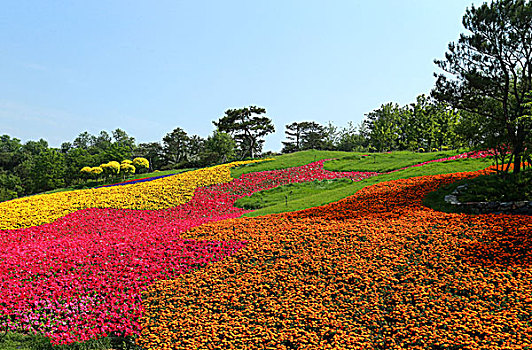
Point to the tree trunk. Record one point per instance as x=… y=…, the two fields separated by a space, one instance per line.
x=517 y=163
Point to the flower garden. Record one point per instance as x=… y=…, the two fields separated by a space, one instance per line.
x=171 y=262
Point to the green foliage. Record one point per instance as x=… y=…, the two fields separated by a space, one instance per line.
x=248 y=127
x=218 y=148
x=19 y=341
x=383 y=126
x=513 y=187
x=351 y=139
x=153 y=152
x=47 y=171
x=488 y=73
x=423 y=124
x=303 y=136
x=485 y=188
x=115 y=151
x=10 y=186
x=175 y=145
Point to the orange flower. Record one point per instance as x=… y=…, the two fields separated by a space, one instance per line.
x=375 y=270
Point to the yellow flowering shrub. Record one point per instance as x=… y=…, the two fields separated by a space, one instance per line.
x=140 y=162
x=127 y=168
x=162 y=193
x=112 y=167
x=96 y=170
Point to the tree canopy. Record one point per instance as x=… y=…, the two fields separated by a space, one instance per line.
x=248 y=127
x=488 y=73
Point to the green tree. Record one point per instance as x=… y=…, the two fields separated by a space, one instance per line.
x=195 y=148
x=10 y=153
x=313 y=136
x=383 y=127
x=83 y=140
x=153 y=152
x=305 y=135
x=10 y=186
x=488 y=72
x=248 y=127
x=103 y=141
x=75 y=159
x=175 y=147
x=115 y=151
x=331 y=136
x=294 y=135
x=351 y=139
x=218 y=148
x=47 y=172
x=120 y=137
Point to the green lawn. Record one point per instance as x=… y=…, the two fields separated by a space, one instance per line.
x=290 y=193
x=384 y=162
x=309 y=195
x=290 y=160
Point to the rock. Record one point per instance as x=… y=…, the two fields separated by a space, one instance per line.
x=451 y=199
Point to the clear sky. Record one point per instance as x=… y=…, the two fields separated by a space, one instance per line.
x=150 y=66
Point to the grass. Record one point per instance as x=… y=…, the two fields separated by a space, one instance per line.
x=290 y=160
x=276 y=202
x=271 y=197
x=491 y=188
x=384 y=162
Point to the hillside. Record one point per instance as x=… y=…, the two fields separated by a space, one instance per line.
x=171 y=261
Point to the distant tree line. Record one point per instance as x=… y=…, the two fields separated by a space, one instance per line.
x=426 y=125
x=35 y=167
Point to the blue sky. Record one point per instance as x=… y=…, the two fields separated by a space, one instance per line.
x=150 y=66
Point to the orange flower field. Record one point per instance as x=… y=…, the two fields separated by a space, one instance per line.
x=377 y=270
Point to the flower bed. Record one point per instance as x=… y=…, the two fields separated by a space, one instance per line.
x=376 y=270
x=158 y=194
x=134 y=181
x=81 y=276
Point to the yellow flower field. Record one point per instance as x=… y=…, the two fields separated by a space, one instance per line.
x=157 y=194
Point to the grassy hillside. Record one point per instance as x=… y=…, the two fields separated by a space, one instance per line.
x=383 y=162
x=308 y=195
x=295 y=197
x=291 y=160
